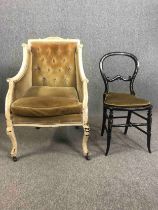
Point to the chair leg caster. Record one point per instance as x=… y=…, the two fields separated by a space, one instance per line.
x=87 y=156
x=14 y=158
x=37 y=128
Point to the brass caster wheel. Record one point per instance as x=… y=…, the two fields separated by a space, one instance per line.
x=14 y=158
x=87 y=157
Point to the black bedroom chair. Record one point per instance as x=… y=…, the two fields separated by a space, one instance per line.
x=114 y=101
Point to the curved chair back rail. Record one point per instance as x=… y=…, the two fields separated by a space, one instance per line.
x=119 y=77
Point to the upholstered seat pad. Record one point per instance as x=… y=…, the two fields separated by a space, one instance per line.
x=124 y=100
x=47 y=102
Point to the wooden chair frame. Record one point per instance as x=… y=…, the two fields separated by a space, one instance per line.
x=11 y=122
x=109 y=117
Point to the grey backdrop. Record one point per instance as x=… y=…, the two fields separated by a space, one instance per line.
x=102 y=26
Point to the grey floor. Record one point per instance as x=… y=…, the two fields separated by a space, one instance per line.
x=52 y=174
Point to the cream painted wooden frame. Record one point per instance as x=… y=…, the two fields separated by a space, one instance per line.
x=25 y=67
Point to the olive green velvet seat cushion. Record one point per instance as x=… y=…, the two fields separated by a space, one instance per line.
x=44 y=101
x=124 y=100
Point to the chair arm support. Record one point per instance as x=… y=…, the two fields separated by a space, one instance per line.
x=85 y=93
x=24 y=66
x=8 y=102
x=83 y=76
x=82 y=82
x=85 y=102
x=80 y=64
x=14 y=81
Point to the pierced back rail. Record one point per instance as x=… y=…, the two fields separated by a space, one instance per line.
x=130 y=79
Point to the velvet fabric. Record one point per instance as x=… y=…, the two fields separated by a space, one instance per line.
x=64 y=119
x=47 y=102
x=67 y=92
x=53 y=64
x=124 y=100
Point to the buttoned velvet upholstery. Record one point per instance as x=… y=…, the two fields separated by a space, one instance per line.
x=53 y=91
x=53 y=64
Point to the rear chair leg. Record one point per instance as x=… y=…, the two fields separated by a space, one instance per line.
x=11 y=134
x=85 y=141
x=104 y=121
x=149 y=121
x=127 y=122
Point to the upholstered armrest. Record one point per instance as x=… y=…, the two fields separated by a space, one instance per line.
x=82 y=81
x=24 y=66
x=20 y=83
x=80 y=77
x=80 y=64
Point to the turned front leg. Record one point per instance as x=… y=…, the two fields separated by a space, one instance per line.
x=110 y=122
x=85 y=142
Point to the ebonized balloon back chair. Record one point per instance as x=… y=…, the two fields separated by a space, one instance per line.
x=113 y=101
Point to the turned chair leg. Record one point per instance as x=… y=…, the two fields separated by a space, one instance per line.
x=85 y=142
x=110 y=122
x=11 y=134
x=149 y=121
x=104 y=121
x=127 y=122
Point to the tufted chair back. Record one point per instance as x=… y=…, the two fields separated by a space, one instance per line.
x=53 y=64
